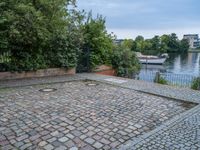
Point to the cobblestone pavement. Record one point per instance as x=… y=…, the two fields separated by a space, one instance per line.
x=180 y=133
x=184 y=135
x=185 y=94
x=80 y=115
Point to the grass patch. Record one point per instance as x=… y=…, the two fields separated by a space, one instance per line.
x=196 y=83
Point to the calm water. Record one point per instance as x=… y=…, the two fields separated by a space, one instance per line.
x=179 y=68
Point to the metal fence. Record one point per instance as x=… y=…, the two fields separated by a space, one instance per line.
x=182 y=80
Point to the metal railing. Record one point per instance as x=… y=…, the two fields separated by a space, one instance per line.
x=180 y=80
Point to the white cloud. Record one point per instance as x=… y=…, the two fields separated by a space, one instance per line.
x=129 y=18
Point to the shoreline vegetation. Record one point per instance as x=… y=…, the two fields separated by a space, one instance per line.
x=157 y=45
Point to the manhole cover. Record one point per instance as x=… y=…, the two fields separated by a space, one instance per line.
x=47 y=90
x=91 y=84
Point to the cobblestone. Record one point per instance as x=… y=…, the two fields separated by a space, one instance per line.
x=184 y=134
x=77 y=116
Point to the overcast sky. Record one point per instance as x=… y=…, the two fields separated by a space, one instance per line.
x=129 y=18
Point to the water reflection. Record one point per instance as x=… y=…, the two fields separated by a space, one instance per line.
x=178 y=69
x=183 y=64
x=188 y=64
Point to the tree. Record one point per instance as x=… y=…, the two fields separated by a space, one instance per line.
x=147 y=46
x=134 y=46
x=125 y=62
x=184 y=45
x=97 y=41
x=139 y=38
x=38 y=33
x=155 y=41
x=128 y=43
x=173 y=43
x=164 y=43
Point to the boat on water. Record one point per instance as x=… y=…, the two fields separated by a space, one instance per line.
x=150 y=59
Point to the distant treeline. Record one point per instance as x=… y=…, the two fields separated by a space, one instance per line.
x=157 y=45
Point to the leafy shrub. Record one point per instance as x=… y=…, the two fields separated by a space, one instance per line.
x=97 y=42
x=125 y=62
x=159 y=79
x=196 y=84
x=39 y=34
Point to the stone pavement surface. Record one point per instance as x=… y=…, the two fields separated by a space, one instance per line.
x=80 y=115
x=184 y=135
x=152 y=88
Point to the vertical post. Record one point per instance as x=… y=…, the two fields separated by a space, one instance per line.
x=157 y=78
x=126 y=74
x=88 y=59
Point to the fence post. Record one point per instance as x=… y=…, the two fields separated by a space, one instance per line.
x=157 y=78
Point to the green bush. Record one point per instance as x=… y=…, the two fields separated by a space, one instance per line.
x=125 y=62
x=196 y=84
x=39 y=34
x=161 y=80
x=97 y=42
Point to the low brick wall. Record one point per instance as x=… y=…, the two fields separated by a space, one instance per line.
x=38 y=73
x=105 y=70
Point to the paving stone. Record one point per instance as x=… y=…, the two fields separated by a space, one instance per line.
x=73 y=148
x=105 y=141
x=25 y=146
x=70 y=144
x=97 y=145
x=88 y=147
x=32 y=138
x=63 y=139
x=23 y=137
x=56 y=143
x=89 y=140
x=49 y=147
x=83 y=137
x=42 y=143
x=61 y=148
x=52 y=140
x=137 y=125
x=18 y=144
x=55 y=133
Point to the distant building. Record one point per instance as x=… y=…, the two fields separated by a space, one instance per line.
x=118 y=41
x=193 y=39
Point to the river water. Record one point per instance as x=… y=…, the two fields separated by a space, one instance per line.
x=178 y=67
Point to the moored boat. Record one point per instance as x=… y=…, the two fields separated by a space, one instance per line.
x=149 y=59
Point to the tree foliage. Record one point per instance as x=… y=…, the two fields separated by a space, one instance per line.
x=97 y=42
x=125 y=61
x=159 y=44
x=39 y=34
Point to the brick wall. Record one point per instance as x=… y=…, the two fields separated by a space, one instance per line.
x=105 y=70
